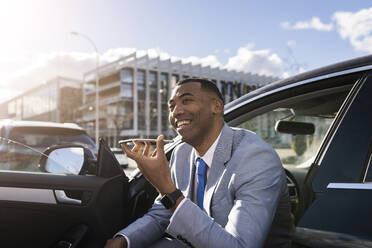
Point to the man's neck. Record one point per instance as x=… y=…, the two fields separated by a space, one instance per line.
x=208 y=141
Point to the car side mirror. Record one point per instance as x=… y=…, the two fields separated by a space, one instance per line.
x=68 y=159
x=294 y=127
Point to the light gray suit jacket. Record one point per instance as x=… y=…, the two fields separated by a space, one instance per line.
x=246 y=199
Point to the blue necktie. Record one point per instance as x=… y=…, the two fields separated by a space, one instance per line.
x=201 y=170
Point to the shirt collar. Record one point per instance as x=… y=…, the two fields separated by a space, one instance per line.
x=208 y=156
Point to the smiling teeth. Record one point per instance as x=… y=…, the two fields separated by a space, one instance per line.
x=182 y=123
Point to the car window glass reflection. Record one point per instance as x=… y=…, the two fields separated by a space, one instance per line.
x=296 y=149
x=15 y=156
x=21 y=157
x=41 y=138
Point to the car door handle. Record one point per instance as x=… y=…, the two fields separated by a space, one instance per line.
x=63 y=198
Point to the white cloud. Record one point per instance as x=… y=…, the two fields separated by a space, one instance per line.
x=262 y=62
x=6 y=94
x=115 y=54
x=314 y=23
x=291 y=43
x=285 y=74
x=285 y=25
x=210 y=60
x=74 y=65
x=355 y=27
x=47 y=66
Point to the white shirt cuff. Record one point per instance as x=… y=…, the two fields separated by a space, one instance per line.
x=128 y=243
x=179 y=206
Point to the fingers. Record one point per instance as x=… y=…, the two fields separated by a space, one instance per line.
x=133 y=154
x=137 y=146
x=126 y=149
x=154 y=153
x=147 y=149
x=160 y=144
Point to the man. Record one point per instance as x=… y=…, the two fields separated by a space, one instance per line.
x=232 y=187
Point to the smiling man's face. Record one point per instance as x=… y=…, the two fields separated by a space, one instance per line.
x=192 y=112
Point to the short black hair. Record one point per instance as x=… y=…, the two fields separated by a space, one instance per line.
x=205 y=85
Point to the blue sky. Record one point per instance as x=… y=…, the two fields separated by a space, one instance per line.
x=277 y=38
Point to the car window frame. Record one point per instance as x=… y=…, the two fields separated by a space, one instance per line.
x=275 y=104
x=367 y=178
x=328 y=146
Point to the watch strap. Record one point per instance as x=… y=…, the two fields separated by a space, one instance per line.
x=169 y=200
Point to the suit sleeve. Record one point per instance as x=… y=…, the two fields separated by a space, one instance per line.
x=256 y=183
x=149 y=228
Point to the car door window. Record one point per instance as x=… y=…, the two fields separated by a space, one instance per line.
x=25 y=146
x=296 y=149
x=293 y=149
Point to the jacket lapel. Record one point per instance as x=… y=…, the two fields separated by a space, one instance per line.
x=190 y=175
x=221 y=156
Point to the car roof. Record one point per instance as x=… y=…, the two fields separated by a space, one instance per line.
x=16 y=123
x=348 y=66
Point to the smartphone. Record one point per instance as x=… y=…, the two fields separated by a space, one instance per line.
x=143 y=140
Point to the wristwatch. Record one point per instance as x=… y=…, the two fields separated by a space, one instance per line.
x=169 y=200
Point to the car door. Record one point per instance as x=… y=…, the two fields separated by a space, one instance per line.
x=315 y=101
x=341 y=177
x=46 y=210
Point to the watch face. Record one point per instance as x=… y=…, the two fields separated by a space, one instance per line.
x=167 y=201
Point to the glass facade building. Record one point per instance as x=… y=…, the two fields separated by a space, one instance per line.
x=54 y=100
x=134 y=91
x=133 y=94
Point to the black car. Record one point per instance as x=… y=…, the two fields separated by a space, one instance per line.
x=319 y=122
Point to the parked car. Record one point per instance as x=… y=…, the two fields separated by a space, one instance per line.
x=21 y=141
x=319 y=122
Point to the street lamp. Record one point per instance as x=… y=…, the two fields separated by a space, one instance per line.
x=97 y=80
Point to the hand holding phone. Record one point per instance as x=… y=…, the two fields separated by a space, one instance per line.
x=143 y=141
x=154 y=167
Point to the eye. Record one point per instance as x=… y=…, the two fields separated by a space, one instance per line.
x=186 y=100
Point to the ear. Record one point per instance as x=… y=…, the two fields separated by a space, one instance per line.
x=217 y=106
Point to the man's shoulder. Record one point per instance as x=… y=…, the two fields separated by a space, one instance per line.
x=243 y=132
x=180 y=156
x=244 y=137
x=182 y=149
x=247 y=144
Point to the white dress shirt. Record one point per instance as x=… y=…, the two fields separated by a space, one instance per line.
x=208 y=157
